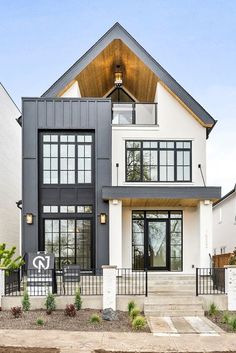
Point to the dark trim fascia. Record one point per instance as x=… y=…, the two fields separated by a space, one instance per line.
x=225 y=196
x=161 y=192
x=118 y=32
x=19 y=121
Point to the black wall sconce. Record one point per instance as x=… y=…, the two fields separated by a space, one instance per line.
x=29 y=218
x=103 y=218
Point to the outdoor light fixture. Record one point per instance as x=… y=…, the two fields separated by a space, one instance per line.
x=103 y=218
x=29 y=218
x=118 y=76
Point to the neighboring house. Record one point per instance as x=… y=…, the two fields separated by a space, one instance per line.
x=114 y=165
x=224 y=224
x=10 y=170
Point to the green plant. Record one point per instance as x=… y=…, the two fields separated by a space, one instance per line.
x=70 y=310
x=26 y=301
x=7 y=259
x=233 y=323
x=16 y=311
x=131 y=306
x=139 y=322
x=40 y=322
x=213 y=309
x=50 y=303
x=78 y=300
x=226 y=318
x=232 y=259
x=95 y=319
x=134 y=313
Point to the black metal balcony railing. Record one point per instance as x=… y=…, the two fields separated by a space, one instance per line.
x=134 y=114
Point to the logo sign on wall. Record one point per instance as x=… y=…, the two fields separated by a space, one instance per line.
x=40 y=261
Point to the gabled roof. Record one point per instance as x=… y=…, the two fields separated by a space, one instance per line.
x=226 y=196
x=118 y=32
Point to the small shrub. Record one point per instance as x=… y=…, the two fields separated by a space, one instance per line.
x=139 y=322
x=78 y=300
x=95 y=319
x=16 y=311
x=70 y=310
x=40 y=322
x=134 y=313
x=213 y=309
x=233 y=323
x=131 y=306
x=26 y=301
x=50 y=303
x=226 y=318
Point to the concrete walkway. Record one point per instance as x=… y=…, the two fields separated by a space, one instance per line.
x=168 y=326
x=87 y=342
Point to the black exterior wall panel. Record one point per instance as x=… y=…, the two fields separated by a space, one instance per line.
x=71 y=115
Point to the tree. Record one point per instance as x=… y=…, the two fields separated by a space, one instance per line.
x=8 y=259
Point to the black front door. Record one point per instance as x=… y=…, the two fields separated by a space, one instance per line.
x=157 y=244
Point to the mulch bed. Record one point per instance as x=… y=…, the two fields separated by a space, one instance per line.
x=218 y=320
x=58 y=321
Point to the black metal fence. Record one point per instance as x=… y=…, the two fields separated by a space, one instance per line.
x=62 y=283
x=210 y=281
x=131 y=282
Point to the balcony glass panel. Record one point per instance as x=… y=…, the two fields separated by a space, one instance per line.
x=134 y=113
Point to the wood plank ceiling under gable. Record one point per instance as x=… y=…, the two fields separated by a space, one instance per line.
x=98 y=77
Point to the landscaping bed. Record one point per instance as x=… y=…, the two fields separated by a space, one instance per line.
x=224 y=319
x=58 y=321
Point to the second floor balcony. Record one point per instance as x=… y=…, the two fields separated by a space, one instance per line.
x=134 y=114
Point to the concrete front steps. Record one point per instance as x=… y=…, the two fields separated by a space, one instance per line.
x=172 y=295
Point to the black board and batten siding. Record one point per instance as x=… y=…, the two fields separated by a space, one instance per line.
x=56 y=114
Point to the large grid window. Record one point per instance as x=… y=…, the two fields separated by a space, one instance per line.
x=69 y=240
x=67 y=158
x=158 y=161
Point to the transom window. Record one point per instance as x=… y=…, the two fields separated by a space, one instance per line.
x=67 y=158
x=68 y=209
x=160 y=161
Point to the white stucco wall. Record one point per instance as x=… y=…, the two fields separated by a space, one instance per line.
x=191 y=240
x=10 y=171
x=224 y=224
x=73 y=91
x=175 y=123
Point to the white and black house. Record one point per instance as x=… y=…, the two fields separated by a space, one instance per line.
x=114 y=165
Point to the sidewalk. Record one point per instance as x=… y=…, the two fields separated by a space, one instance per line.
x=87 y=342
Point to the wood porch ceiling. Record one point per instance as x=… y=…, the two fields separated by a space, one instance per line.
x=160 y=202
x=97 y=79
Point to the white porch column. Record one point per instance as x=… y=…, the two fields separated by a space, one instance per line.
x=115 y=233
x=205 y=232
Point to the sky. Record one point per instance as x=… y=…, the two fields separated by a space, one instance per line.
x=194 y=40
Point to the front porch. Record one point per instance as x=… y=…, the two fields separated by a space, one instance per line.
x=166 y=229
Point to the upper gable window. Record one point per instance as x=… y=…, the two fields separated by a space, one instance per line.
x=67 y=158
x=158 y=161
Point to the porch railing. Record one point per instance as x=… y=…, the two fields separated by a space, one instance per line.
x=210 y=281
x=89 y=282
x=130 y=282
x=134 y=113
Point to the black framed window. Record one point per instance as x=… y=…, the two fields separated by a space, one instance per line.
x=158 y=161
x=67 y=158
